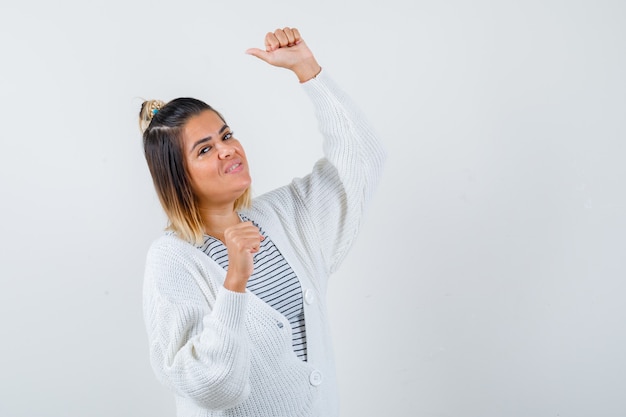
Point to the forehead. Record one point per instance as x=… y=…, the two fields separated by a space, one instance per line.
x=201 y=126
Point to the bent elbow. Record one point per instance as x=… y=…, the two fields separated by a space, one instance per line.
x=221 y=395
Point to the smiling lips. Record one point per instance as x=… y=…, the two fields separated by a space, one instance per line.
x=235 y=167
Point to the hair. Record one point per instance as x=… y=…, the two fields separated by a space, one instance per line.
x=162 y=126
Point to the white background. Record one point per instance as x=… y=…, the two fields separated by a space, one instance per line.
x=489 y=278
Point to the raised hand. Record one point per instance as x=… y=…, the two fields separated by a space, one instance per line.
x=242 y=241
x=285 y=48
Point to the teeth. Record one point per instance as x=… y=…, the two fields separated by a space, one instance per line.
x=233 y=167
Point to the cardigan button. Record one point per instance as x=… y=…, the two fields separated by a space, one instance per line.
x=309 y=296
x=316 y=378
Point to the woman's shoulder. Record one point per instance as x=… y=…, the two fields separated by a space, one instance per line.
x=176 y=268
x=169 y=246
x=168 y=239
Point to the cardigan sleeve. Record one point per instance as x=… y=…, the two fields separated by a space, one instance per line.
x=337 y=191
x=198 y=344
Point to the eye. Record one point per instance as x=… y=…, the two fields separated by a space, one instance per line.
x=204 y=150
x=227 y=136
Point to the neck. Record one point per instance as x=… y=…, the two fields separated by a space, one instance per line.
x=216 y=221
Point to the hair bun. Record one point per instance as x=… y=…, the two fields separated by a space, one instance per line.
x=148 y=109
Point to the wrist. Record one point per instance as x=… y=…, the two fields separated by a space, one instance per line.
x=235 y=282
x=235 y=286
x=307 y=69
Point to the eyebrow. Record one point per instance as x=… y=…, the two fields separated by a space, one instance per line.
x=207 y=139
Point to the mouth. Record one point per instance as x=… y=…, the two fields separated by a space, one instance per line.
x=234 y=167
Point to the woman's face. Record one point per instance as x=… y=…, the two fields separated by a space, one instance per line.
x=216 y=161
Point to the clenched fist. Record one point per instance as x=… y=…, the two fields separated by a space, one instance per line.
x=242 y=241
x=285 y=48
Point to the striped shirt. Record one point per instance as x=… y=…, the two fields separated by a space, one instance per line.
x=273 y=281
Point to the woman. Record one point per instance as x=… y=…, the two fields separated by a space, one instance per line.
x=234 y=293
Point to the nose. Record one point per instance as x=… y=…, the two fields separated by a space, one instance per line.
x=224 y=150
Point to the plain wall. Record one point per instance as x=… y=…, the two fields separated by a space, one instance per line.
x=489 y=277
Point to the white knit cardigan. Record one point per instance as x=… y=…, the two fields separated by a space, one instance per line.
x=224 y=353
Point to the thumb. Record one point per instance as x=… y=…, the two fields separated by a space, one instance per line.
x=259 y=53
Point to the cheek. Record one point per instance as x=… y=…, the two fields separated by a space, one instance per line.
x=241 y=151
x=195 y=174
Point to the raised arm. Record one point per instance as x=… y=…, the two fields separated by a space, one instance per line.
x=335 y=195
